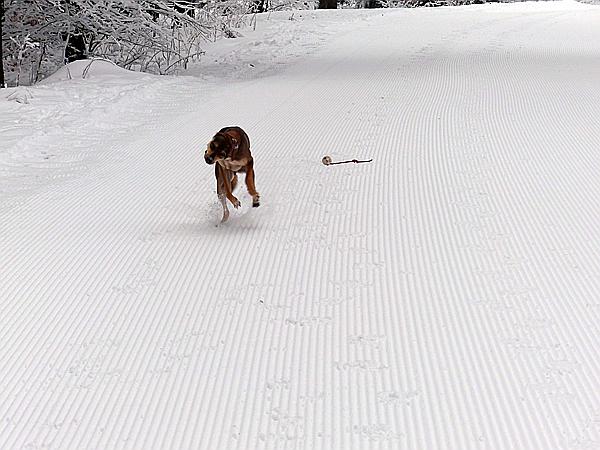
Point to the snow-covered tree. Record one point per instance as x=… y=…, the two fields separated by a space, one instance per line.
x=159 y=36
x=156 y=35
x=2 y=82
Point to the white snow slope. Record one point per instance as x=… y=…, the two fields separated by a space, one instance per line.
x=444 y=296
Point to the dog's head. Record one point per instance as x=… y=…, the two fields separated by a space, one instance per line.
x=218 y=148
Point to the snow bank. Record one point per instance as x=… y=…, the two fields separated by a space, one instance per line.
x=91 y=69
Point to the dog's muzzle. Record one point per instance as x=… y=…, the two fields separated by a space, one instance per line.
x=209 y=159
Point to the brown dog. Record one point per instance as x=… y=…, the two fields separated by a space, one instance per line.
x=230 y=150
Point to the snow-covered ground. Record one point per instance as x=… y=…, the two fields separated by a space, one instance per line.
x=444 y=296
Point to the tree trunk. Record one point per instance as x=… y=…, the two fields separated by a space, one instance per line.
x=260 y=6
x=327 y=4
x=75 y=48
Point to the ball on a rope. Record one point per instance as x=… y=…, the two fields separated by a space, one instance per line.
x=326 y=160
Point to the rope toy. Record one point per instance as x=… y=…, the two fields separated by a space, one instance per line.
x=328 y=162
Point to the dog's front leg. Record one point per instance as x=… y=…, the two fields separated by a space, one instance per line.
x=221 y=192
x=228 y=175
x=223 y=201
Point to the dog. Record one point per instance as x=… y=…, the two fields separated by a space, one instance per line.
x=229 y=151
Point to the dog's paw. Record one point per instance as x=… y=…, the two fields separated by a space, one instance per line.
x=256 y=204
x=236 y=203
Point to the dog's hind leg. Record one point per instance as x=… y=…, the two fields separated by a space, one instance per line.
x=250 y=184
x=234 y=181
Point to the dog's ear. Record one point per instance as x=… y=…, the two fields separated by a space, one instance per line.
x=218 y=145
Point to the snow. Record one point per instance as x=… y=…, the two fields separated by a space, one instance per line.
x=443 y=296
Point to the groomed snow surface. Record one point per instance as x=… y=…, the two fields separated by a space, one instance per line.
x=444 y=296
